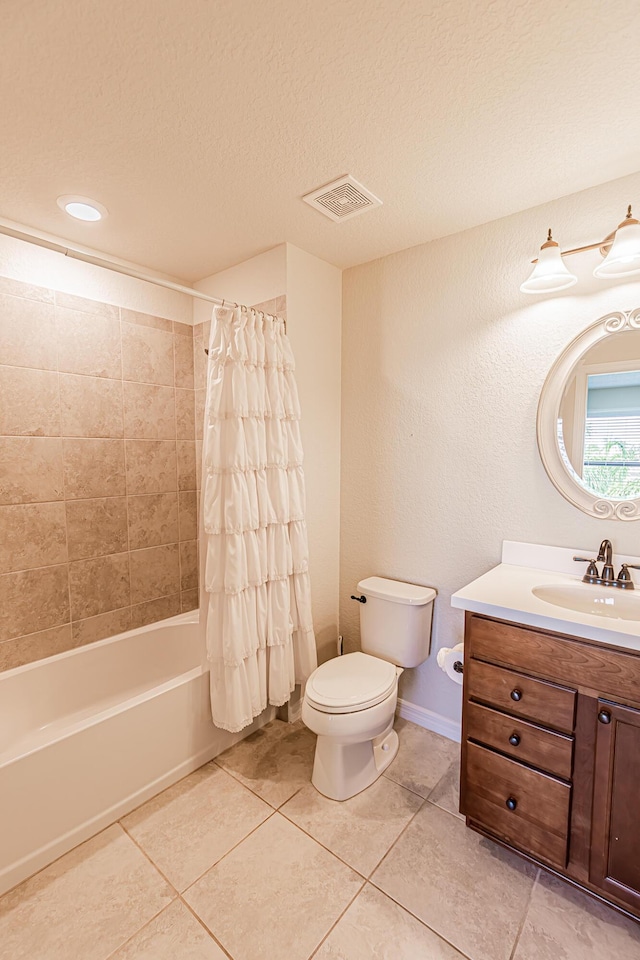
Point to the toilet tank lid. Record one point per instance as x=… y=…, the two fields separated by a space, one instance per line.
x=397 y=591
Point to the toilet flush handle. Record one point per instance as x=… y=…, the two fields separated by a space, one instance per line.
x=359 y=599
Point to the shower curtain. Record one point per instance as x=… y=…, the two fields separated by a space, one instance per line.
x=256 y=597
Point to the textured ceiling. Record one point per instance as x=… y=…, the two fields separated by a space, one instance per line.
x=200 y=123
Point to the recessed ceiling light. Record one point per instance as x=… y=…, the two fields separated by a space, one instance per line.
x=82 y=208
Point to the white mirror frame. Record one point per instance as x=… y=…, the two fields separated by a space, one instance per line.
x=547 y=424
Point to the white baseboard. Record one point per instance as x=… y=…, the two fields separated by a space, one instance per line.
x=429 y=720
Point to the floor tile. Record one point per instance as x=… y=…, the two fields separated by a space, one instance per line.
x=446 y=793
x=376 y=928
x=85 y=905
x=190 y=826
x=359 y=830
x=469 y=890
x=566 y=924
x=275 y=895
x=174 y=935
x=423 y=758
x=274 y=762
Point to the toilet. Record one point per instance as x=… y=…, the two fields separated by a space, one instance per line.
x=350 y=701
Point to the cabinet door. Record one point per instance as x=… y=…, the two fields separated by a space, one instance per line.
x=615 y=836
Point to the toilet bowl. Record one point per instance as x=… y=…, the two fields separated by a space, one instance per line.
x=350 y=701
x=350 y=704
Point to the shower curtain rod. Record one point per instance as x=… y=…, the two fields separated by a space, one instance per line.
x=19 y=233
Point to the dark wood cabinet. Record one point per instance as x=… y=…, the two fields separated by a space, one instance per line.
x=551 y=753
x=615 y=838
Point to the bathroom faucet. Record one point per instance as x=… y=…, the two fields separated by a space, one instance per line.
x=604 y=556
x=608 y=577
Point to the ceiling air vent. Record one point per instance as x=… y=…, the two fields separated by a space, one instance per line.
x=342 y=199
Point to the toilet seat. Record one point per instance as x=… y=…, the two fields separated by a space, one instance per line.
x=350 y=683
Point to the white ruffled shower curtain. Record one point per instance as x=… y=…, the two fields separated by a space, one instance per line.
x=256 y=599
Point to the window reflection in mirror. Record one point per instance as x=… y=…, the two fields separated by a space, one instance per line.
x=599 y=418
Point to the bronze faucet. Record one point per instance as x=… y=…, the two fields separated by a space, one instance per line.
x=604 y=556
x=608 y=577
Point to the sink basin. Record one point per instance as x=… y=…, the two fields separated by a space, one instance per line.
x=609 y=602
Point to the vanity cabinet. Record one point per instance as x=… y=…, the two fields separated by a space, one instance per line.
x=615 y=853
x=551 y=752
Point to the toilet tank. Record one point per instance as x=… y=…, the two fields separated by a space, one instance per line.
x=395 y=621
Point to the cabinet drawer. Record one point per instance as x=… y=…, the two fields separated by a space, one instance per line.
x=538 y=700
x=588 y=666
x=539 y=823
x=550 y=751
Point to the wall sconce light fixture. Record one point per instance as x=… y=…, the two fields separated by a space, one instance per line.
x=621 y=252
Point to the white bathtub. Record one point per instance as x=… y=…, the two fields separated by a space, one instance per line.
x=88 y=735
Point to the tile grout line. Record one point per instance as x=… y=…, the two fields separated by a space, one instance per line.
x=409 y=789
x=147 y=857
x=401 y=834
x=140 y=929
x=98 y=556
x=321 y=844
x=225 y=855
x=204 y=926
x=333 y=852
x=60 y=857
x=64 y=486
x=175 y=433
x=525 y=914
x=338 y=919
x=253 y=830
x=281 y=811
x=178 y=895
x=250 y=789
x=402 y=906
x=126 y=482
x=387 y=894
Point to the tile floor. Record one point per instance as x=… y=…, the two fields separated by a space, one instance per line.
x=244 y=860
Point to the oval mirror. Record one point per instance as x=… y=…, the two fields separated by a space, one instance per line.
x=589 y=419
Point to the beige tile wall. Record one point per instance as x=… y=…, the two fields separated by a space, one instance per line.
x=98 y=518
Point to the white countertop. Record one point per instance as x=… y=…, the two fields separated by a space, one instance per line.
x=506 y=593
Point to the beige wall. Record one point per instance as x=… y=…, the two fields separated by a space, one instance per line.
x=314 y=311
x=97 y=459
x=255 y=281
x=46 y=268
x=443 y=361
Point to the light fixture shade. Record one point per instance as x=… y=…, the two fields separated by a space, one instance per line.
x=549 y=273
x=623 y=259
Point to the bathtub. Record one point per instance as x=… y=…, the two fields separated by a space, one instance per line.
x=88 y=735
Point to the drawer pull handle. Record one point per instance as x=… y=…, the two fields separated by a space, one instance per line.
x=514 y=740
x=512 y=803
x=516 y=694
x=604 y=716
